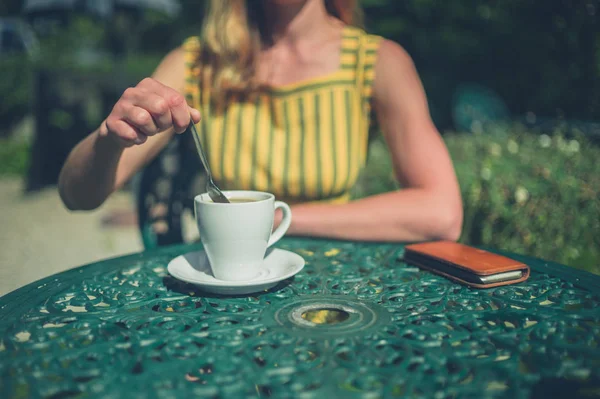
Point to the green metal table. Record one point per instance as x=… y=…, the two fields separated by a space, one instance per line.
x=357 y=322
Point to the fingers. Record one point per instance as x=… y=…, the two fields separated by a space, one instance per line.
x=148 y=109
x=179 y=112
x=124 y=132
x=142 y=120
x=155 y=107
x=195 y=114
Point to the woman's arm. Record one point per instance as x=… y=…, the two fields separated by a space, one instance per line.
x=429 y=205
x=139 y=126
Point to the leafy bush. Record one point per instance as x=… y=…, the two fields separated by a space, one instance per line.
x=545 y=62
x=77 y=52
x=14 y=157
x=15 y=90
x=537 y=195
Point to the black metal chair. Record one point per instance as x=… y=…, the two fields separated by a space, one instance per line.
x=166 y=190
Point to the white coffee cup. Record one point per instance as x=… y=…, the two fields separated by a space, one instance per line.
x=236 y=236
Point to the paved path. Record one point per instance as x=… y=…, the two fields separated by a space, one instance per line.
x=39 y=237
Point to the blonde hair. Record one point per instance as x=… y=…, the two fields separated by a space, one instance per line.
x=232 y=36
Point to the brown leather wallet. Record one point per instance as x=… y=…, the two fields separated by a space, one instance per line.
x=467 y=265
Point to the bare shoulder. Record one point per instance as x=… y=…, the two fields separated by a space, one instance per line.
x=393 y=63
x=391 y=53
x=397 y=82
x=171 y=70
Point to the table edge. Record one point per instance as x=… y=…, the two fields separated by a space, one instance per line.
x=577 y=277
x=9 y=303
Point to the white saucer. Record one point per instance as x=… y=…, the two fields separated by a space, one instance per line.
x=194 y=268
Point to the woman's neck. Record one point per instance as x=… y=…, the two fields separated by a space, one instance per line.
x=299 y=21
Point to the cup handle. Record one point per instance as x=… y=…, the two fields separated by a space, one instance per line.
x=284 y=225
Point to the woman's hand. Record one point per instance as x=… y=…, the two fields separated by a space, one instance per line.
x=146 y=110
x=109 y=156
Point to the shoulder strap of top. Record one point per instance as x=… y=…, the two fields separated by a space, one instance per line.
x=191 y=48
x=366 y=59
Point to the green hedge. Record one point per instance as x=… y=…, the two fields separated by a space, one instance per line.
x=15 y=90
x=540 y=56
x=14 y=158
x=533 y=194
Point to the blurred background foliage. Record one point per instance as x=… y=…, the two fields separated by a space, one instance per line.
x=533 y=60
x=514 y=85
x=537 y=56
x=523 y=192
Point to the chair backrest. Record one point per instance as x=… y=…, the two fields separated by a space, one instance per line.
x=166 y=189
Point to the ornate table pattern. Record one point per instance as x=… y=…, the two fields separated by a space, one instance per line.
x=356 y=322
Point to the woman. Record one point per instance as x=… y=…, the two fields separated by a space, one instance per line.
x=285 y=89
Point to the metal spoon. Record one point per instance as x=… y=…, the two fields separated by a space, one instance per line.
x=213 y=191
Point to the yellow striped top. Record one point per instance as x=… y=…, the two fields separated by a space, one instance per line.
x=304 y=141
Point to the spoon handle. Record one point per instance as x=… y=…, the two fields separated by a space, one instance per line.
x=200 y=150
